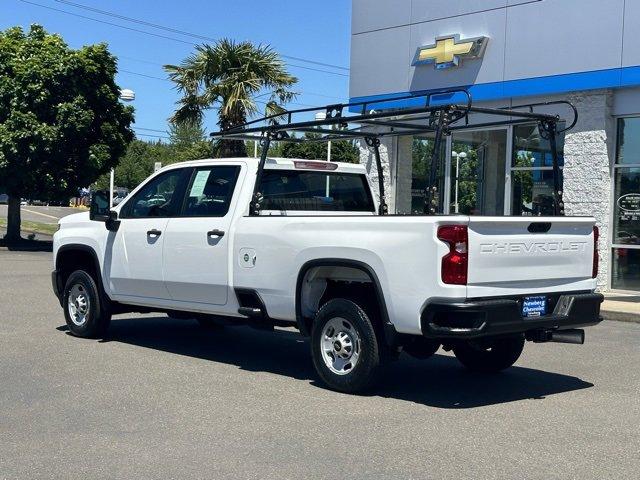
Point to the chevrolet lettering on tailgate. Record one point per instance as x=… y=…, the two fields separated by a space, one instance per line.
x=500 y=248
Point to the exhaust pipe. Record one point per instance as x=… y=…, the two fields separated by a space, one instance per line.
x=575 y=336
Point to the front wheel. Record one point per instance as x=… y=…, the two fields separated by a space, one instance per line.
x=489 y=355
x=86 y=311
x=344 y=347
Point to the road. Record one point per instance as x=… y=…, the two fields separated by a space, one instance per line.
x=160 y=398
x=41 y=214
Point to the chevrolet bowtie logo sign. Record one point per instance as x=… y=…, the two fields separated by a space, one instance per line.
x=448 y=51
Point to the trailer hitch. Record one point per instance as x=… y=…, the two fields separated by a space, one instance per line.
x=574 y=336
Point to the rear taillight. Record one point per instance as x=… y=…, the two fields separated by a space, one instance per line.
x=596 y=236
x=454 y=263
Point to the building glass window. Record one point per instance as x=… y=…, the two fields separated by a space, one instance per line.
x=477 y=172
x=421 y=151
x=532 y=172
x=625 y=269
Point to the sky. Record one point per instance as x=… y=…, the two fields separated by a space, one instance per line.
x=312 y=31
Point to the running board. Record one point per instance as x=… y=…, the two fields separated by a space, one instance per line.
x=251 y=312
x=252 y=307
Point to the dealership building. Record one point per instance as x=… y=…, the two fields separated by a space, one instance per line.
x=508 y=53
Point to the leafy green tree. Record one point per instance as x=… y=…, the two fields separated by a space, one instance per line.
x=468 y=179
x=344 y=151
x=421 y=153
x=134 y=167
x=341 y=150
x=523 y=179
x=61 y=124
x=186 y=134
x=230 y=75
x=189 y=141
x=138 y=162
x=196 y=151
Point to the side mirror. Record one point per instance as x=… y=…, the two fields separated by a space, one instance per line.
x=100 y=206
x=100 y=211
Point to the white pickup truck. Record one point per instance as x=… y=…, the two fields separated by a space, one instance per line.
x=319 y=258
x=305 y=244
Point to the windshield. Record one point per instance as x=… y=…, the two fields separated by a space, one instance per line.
x=315 y=191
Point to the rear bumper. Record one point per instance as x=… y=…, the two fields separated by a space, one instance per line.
x=502 y=316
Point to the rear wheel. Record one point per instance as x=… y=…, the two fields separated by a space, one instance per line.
x=86 y=311
x=344 y=347
x=490 y=355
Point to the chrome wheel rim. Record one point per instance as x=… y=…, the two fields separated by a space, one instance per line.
x=340 y=346
x=78 y=304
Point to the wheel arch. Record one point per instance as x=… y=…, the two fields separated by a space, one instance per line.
x=304 y=324
x=79 y=254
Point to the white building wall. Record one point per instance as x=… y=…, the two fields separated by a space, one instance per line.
x=396 y=159
x=589 y=153
x=404 y=172
x=387 y=158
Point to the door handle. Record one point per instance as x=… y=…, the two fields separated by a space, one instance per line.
x=215 y=233
x=154 y=233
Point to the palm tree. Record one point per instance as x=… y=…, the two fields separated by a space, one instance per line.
x=230 y=75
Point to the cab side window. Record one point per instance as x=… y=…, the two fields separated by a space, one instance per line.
x=160 y=197
x=210 y=191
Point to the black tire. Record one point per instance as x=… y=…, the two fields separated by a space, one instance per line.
x=363 y=375
x=96 y=311
x=490 y=355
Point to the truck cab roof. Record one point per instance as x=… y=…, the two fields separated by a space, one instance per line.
x=278 y=163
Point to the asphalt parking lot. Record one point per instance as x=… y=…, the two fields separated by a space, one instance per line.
x=41 y=214
x=160 y=398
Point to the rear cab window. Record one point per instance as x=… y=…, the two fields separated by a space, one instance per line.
x=319 y=191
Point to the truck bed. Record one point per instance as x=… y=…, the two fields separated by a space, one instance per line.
x=404 y=252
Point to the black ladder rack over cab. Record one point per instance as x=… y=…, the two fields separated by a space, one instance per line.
x=440 y=112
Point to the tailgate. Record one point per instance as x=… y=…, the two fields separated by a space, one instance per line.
x=522 y=255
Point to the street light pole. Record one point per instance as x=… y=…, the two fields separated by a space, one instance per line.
x=455 y=154
x=458 y=156
x=111 y=182
x=126 y=95
x=322 y=116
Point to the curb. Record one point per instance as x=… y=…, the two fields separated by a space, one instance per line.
x=616 y=316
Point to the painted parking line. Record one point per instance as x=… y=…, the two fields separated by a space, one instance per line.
x=40 y=213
